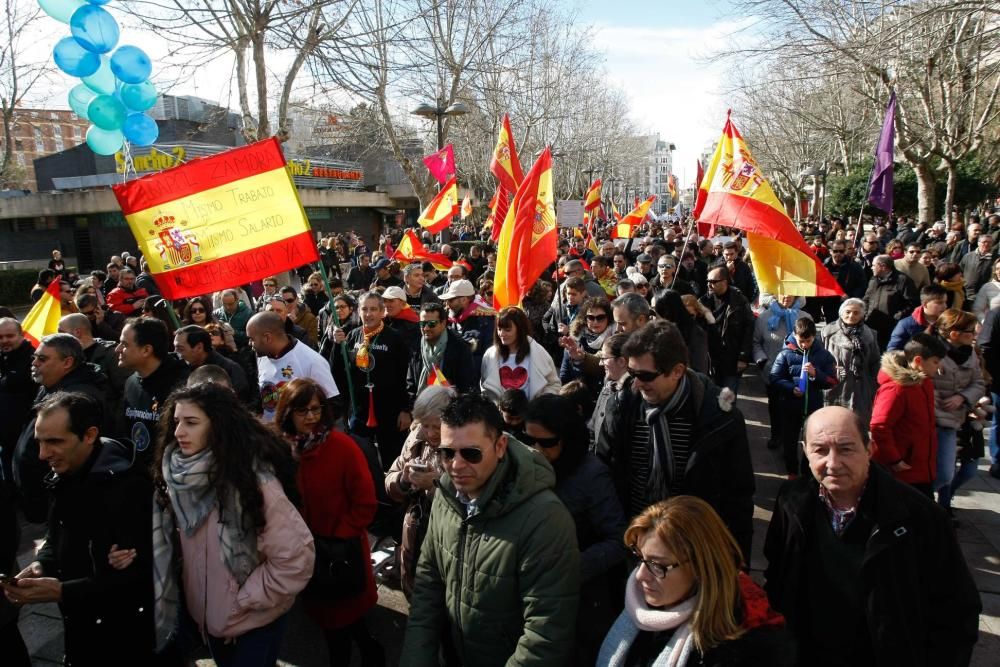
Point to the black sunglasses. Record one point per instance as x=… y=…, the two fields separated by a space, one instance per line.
x=644 y=376
x=544 y=443
x=597 y=318
x=428 y=324
x=469 y=454
x=290 y=300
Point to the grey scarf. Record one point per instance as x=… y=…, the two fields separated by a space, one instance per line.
x=661 y=465
x=431 y=356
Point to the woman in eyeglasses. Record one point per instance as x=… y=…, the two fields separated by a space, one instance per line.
x=516 y=361
x=687 y=602
x=554 y=428
x=410 y=479
x=587 y=332
x=338 y=501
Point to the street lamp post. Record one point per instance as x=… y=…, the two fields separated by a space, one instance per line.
x=438 y=112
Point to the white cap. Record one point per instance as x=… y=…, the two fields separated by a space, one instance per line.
x=394 y=292
x=457 y=289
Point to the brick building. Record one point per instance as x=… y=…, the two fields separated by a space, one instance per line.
x=41 y=132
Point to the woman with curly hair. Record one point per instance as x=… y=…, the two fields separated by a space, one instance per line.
x=223 y=483
x=587 y=332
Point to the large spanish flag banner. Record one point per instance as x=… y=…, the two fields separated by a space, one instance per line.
x=625 y=227
x=410 y=249
x=218 y=221
x=442 y=208
x=527 y=244
x=506 y=167
x=43 y=318
x=736 y=194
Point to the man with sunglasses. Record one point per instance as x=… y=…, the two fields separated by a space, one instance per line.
x=675 y=433
x=849 y=275
x=730 y=339
x=441 y=355
x=500 y=568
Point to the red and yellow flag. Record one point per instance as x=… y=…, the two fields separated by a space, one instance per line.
x=410 y=249
x=466 y=207
x=527 y=244
x=672 y=186
x=492 y=216
x=218 y=221
x=626 y=226
x=437 y=378
x=442 y=208
x=593 y=197
x=506 y=167
x=43 y=318
x=738 y=195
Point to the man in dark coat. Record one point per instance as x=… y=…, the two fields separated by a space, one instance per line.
x=730 y=339
x=17 y=389
x=977 y=266
x=849 y=275
x=101 y=353
x=453 y=359
x=866 y=569
x=100 y=502
x=194 y=345
x=699 y=439
x=471 y=318
x=890 y=297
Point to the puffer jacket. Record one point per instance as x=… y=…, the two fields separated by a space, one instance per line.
x=902 y=425
x=953 y=378
x=504 y=582
x=788 y=366
x=767 y=344
x=217 y=604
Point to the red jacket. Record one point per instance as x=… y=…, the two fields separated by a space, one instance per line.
x=903 y=421
x=123 y=302
x=338 y=499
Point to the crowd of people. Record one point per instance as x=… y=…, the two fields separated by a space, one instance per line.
x=567 y=481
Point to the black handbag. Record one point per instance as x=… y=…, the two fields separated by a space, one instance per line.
x=339 y=571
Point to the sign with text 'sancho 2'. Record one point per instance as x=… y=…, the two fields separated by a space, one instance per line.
x=219 y=221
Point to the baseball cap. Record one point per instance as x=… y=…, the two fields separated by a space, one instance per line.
x=643 y=258
x=394 y=292
x=381 y=264
x=458 y=288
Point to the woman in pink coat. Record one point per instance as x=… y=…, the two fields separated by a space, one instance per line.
x=245 y=551
x=338 y=501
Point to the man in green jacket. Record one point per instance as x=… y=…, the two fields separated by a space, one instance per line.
x=499 y=568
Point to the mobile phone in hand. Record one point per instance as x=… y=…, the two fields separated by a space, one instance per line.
x=419 y=467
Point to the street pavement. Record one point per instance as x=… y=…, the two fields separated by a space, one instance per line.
x=979 y=534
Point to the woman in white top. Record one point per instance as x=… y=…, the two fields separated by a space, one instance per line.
x=516 y=361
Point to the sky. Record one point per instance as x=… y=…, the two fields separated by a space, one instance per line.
x=654 y=49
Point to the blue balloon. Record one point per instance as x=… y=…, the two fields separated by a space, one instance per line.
x=104 y=142
x=140 y=129
x=106 y=112
x=60 y=10
x=73 y=59
x=131 y=64
x=94 y=28
x=98 y=2
x=138 y=96
x=102 y=81
x=80 y=98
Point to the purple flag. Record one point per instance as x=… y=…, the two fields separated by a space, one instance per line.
x=880 y=188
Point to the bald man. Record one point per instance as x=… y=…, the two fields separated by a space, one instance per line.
x=866 y=569
x=282 y=358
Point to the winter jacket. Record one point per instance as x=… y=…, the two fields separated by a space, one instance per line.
x=767 y=344
x=921 y=604
x=989 y=344
x=542 y=376
x=850 y=276
x=855 y=391
x=718 y=470
x=456 y=365
x=902 y=426
x=338 y=500
x=984 y=299
x=238 y=321
x=788 y=366
x=908 y=327
x=730 y=339
x=17 y=393
x=122 y=301
x=915 y=270
x=887 y=300
x=107 y=613
x=978 y=270
x=503 y=582
x=217 y=604
x=144 y=396
x=964 y=379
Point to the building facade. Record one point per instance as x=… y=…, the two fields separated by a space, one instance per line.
x=41 y=132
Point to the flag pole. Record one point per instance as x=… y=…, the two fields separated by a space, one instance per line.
x=343 y=345
x=687 y=237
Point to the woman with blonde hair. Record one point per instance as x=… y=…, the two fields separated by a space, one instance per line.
x=688 y=603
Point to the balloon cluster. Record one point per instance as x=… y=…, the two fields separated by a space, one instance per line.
x=115 y=90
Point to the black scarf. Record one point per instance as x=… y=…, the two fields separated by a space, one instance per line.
x=854 y=339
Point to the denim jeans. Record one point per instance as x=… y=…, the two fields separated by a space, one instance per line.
x=257 y=648
x=967 y=470
x=994 y=447
x=947 y=449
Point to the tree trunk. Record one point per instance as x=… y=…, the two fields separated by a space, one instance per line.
x=949 y=197
x=925 y=193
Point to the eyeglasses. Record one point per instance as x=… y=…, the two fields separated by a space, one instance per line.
x=644 y=376
x=544 y=443
x=197 y=310
x=666 y=266
x=710 y=281
x=341 y=306
x=314 y=412
x=469 y=454
x=658 y=570
x=292 y=300
x=597 y=318
x=836 y=252
x=429 y=324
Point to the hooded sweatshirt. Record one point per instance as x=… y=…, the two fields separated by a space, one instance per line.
x=902 y=425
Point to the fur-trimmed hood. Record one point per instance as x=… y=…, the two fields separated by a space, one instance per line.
x=895 y=369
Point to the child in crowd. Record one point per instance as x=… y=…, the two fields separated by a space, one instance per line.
x=513 y=406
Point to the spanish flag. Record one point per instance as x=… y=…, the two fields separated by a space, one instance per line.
x=412 y=250
x=437 y=378
x=218 y=221
x=43 y=318
x=466 y=207
x=593 y=197
x=491 y=217
x=626 y=226
x=527 y=244
x=672 y=186
x=442 y=208
x=736 y=194
x=506 y=167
